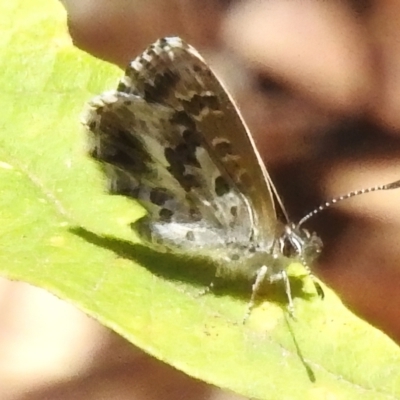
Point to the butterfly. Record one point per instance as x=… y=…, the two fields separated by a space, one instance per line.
x=171 y=137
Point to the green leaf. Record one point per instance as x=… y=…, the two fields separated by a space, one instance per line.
x=61 y=232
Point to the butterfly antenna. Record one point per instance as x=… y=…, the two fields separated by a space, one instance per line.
x=335 y=200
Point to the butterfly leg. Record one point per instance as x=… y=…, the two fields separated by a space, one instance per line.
x=288 y=291
x=281 y=276
x=317 y=286
x=261 y=274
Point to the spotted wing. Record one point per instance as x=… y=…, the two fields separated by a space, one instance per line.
x=173 y=73
x=154 y=153
x=170 y=137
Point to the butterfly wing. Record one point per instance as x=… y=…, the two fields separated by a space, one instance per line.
x=170 y=137
x=173 y=73
x=150 y=152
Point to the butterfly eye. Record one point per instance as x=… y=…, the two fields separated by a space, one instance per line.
x=292 y=241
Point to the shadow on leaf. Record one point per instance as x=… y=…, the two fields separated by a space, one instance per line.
x=198 y=272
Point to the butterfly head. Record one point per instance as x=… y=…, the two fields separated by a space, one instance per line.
x=297 y=241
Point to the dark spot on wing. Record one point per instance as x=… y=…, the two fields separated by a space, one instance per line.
x=122 y=87
x=163 y=41
x=177 y=160
x=163 y=85
x=120 y=147
x=122 y=184
x=189 y=182
x=223 y=148
x=199 y=103
x=198 y=69
x=195 y=214
x=221 y=186
x=192 y=138
x=165 y=215
x=233 y=211
x=190 y=236
x=186 y=154
x=183 y=154
x=183 y=118
x=175 y=166
x=235 y=257
x=252 y=249
x=203 y=72
x=190 y=135
x=146 y=64
x=159 y=196
x=151 y=51
x=92 y=125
